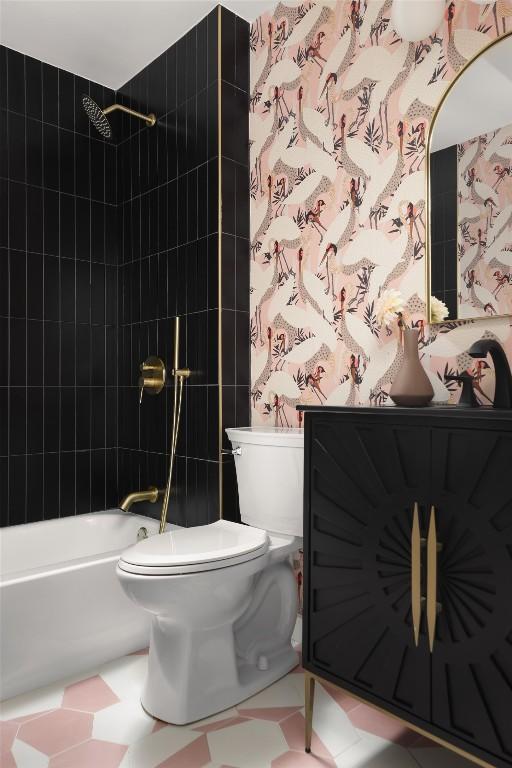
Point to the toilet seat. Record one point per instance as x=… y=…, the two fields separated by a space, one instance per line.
x=193 y=550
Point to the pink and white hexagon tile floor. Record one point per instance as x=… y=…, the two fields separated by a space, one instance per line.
x=96 y=721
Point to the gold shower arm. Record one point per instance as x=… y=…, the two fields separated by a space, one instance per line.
x=150 y=119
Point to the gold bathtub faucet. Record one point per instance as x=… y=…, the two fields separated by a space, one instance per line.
x=152 y=381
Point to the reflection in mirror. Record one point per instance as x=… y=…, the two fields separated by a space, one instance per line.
x=470 y=212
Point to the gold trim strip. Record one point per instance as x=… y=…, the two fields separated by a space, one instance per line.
x=412 y=726
x=432 y=579
x=219 y=235
x=416 y=573
x=427 y=180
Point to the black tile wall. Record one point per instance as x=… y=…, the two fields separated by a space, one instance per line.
x=168 y=203
x=235 y=242
x=58 y=261
x=102 y=243
x=444 y=227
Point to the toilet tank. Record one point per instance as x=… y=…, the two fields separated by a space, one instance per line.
x=270 y=477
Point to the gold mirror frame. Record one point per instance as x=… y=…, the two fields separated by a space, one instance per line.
x=427 y=173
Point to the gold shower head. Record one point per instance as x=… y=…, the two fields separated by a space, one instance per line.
x=98 y=118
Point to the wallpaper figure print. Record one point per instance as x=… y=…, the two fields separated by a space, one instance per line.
x=339 y=113
x=484 y=236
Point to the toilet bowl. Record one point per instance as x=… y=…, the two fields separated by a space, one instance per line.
x=223 y=596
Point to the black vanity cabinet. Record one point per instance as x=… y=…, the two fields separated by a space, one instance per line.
x=408 y=567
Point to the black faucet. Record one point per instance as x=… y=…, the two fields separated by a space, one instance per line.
x=502 y=372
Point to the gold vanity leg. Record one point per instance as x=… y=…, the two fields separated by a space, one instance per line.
x=309 y=695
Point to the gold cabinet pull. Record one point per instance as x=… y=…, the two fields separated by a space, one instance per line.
x=432 y=550
x=416 y=573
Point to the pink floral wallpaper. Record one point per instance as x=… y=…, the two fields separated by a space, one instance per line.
x=339 y=114
x=484 y=236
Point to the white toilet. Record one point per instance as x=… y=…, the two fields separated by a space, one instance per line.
x=223 y=596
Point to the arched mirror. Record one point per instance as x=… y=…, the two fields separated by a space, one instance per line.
x=469 y=240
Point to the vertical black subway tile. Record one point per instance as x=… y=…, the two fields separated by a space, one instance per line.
x=51 y=288
x=18 y=283
x=212 y=21
x=83 y=292
x=82 y=165
x=35 y=487
x=4 y=282
x=34 y=149
x=242 y=201
x=192 y=211
x=35 y=353
x=50 y=94
x=17 y=145
x=3 y=77
x=235 y=117
x=17 y=490
x=51 y=156
x=67 y=226
x=83 y=228
x=83 y=355
x=51 y=486
x=83 y=482
x=97 y=417
x=4 y=213
x=67 y=110
x=51 y=354
x=202 y=55
x=212 y=98
x=17 y=416
x=83 y=418
x=242 y=274
x=67 y=289
x=18 y=353
x=67 y=354
x=35 y=419
x=67 y=161
x=35 y=217
x=34 y=88
x=98 y=479
x=51 y=412
x=67 y=484
x=213 y=196
x=51 y=222
x=17 y=216
x=228 y=271
x=229 y=198
x=35 y=286
x=241 y=347
x=228 y=46
x=4 y=145
x=15 y=81
x=67 y=418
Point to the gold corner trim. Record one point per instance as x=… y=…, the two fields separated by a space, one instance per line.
x=432 y=123
x=406 y=723
x=219 y=247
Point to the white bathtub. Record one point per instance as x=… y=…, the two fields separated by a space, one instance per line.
x=62 y=610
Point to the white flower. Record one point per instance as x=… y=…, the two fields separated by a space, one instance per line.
x=438 y=310
x=389 y=304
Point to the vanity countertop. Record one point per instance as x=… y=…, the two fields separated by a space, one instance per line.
x=483 y=412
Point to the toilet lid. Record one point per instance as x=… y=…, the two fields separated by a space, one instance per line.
x=190 y=550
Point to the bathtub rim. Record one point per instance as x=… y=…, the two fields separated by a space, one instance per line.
x=23 y=575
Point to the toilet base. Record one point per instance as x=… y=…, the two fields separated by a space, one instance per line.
x=252 y=681
x=196 y=671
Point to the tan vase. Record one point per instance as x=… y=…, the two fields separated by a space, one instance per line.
x=411 y=386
